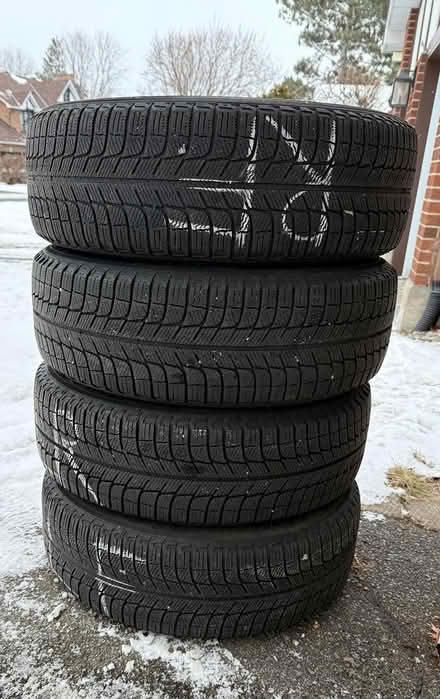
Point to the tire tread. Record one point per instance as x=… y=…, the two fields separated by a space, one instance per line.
x=212 y=586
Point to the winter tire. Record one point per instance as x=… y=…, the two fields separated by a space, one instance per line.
x=226 y=180
x=199 y=468
x=212 y=336
x=200 y=583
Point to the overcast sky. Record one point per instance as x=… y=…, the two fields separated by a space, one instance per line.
x=30 y=24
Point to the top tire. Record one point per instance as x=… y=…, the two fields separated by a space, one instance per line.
x=228 y=180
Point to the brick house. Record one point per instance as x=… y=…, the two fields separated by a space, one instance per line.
x=412 y=35
x=20 y=99
x=11 y=154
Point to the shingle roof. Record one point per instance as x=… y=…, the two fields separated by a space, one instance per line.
x=50 y=90
x=7 y=86
x=10 y=135
x=45 y=92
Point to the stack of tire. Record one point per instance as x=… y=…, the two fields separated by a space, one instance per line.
x=210 y=312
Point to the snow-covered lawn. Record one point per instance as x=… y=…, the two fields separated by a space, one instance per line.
x=405 y=416
x=8 y=191
x=18 y=240
x=405 y=428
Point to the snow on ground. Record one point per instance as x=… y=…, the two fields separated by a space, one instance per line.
x=404 y=430
x=405 y=416
x=13 y=189
x=18 y=240
x=20 y=469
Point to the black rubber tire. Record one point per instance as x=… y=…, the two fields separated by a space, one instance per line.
x=220 y=179
x=200 y=583
x=213 y=336
x=205 y=468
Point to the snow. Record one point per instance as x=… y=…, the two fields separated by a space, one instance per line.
x=203 y=664
x=372 y=516
x=129 y=667
x=18 y=240
x=56 y=612
x=13 y=189
x=20 y=545
x=18 y=79
x=405 y=416
x=404 y=430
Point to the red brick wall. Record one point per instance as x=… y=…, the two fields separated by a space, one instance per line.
x=11 y=163
x=416 y=92
x=10 y=116
x=407 y=51
x=429 y=227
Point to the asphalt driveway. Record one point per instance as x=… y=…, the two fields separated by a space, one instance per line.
x=372 y=644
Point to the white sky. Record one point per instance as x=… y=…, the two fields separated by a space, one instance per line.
x=30 y=24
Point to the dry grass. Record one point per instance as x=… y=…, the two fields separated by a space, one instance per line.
x=416 y=485
x=361 y=564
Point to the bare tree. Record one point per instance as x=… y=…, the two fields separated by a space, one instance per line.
x=78 y=60
x=95 y=61
x=16 y=61
x=214 y=60
x=351 y=86
x=358 y=95
x=107 y=61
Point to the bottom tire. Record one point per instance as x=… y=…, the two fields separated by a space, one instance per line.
x=200 y=583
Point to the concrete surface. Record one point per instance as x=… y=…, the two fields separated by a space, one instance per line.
x=424 y=512
x=372 y=644
x=411 y=303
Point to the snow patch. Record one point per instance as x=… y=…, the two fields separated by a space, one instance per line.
x=18 y=240
x=129 y=667
x=56 y=612
x=21 y=547
x=18 y=79
x=373 y=516
x=405 y=416
x=203 y=664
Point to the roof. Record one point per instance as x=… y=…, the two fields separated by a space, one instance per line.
x=10 y=135
x=51 y=90
x=397 y=18
x=15 y=89
x=7 y=89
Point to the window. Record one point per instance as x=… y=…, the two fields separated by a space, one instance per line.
x=67 y=95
